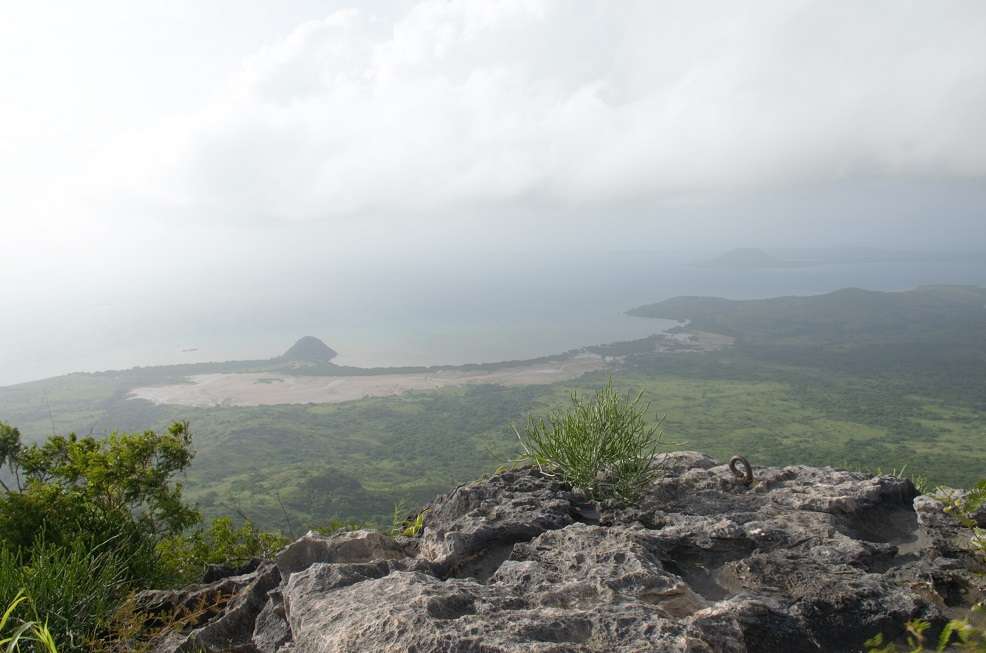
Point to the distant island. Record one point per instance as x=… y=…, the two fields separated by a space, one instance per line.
x=752 y=258
x=309 y=349
x=749 y=258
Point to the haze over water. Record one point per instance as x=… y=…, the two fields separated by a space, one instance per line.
x=192 y=181
x=420 y=314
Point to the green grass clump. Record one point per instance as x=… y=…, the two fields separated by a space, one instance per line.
x=603 y=446
x=73 y=589
x=957 y=635
x=32 y=633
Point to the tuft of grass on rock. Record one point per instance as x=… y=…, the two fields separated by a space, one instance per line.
x=603 y=445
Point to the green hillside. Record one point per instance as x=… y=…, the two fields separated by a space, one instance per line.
x=853 y=378
x=850 y=317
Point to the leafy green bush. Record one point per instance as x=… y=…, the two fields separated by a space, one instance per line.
x=185 y=556
x=81 y=521
x=603 y=446
x=114 y=494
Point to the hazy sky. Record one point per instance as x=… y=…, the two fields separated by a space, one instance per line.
x=151 y=145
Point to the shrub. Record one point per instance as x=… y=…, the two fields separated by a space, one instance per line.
x=114 y=493
x=603 y=446
x=185 y=556
x=79 y=522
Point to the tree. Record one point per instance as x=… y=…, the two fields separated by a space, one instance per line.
x=10 y=447
x=117 y=492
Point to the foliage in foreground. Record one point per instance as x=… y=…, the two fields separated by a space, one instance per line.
x=80 y=520
x=84 y=522
x=15 y=633
x=187 y=555
x=113 y=494
x=957 y=635
x=73 y=588
x=604 y=445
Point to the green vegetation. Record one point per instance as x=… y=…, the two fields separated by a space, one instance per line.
x=187 y=555
x=72 y=588
x=882 y=379
x=115 y=493
x=86 y=521
x=957 y=635
x=849 y=317
x=412 y=527
x=25 y=632
x=831 y=381
x=854 y=379
x=79 y=525
x=602 y=446
x=89 y=521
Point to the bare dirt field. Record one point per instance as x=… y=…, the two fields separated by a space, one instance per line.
x=266 y=388
x=693 y=341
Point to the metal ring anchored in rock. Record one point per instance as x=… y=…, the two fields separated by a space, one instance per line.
x=746 y=475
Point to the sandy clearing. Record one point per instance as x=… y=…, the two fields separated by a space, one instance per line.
x=267 y=389
x=692 y=341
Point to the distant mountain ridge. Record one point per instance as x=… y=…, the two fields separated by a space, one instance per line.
x=752 y=258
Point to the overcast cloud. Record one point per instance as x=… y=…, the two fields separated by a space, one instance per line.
x=454 y=105
x=202 y=137
x=464 y=104
x=436 y=107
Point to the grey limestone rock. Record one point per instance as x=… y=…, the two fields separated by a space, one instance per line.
x=353 y=546
x=805 y=560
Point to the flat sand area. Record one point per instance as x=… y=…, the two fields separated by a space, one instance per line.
x=267 y=388
x=693 y=341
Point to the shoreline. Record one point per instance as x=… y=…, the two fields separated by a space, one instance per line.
x=275 y=388
x=326 y=384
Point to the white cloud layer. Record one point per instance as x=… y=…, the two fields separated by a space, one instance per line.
x=162 y=166
x=457 y=105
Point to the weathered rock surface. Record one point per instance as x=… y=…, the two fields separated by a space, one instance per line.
x=354 y=546
x=807 y=559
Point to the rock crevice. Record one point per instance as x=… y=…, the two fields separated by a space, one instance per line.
x=801 y=559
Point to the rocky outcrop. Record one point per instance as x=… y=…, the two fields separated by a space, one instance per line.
x=309 y=349
x=805 y=559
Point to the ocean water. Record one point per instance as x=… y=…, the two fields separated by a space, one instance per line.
x=426 y=312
